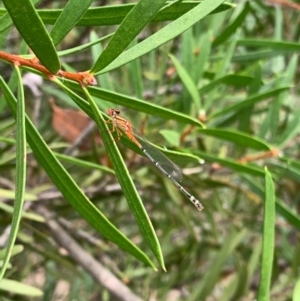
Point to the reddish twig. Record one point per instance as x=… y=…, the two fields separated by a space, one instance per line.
x=186 y=133
x=269 y=154
x=273 y=153
x=285 y=3
x=83 y=78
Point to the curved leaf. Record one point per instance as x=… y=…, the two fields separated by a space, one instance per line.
x=187 y=82
x=249 y=101
x=113 y=15
x=137 y=104
x=20 y=173
x=242 y=168
x=227 y=32
x=69 y=188
x=274 y=45
x=83 y=163
x=296 y=291
x=71 y=14
x=130 y=192
x=166 y=34
x=19 y=288
x=237 y=137
x=33 y=31
x=236 y=80
x=141 y=14
x=202 y=291
x=268 y=242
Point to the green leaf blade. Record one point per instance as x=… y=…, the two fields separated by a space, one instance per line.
x=19 y=288
x=268 y=242
x=115 y=14
x=70 y=190
x=127 y=185
x=20 y=172
x=165 y=34
x=33 y=31
x=142 y=13
x=71 y=14
x=237 y=137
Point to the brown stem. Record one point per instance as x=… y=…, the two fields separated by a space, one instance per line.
x=83 y=78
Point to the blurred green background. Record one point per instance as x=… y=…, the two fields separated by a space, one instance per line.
x=221 y=100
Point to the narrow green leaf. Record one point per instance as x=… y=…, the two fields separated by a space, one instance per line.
x=291 y=161
x=253 y=263
x=243 y=168
x=288 y=213
x=115 y=14
x=296 y=291
x=136 y=104
x=268 y=242
x=231 y=287
x=104 y=80
x=83 y=163
x=12 y=84
x=10 y=194
x=235 y=80
x=70 y=190
x=278 y=102
x=210 y=278
x=142 y=13
x=228 y=31
x=254 y=55
x=71 y=14
x=237 y=137
x=187 y=59
x=187 y=62
x=260 y=55
x=249 y=101
x=173 y=137
x=202 y=59
x=279 y=61
x=187 y=82
x=33 y=31
x=166 y=34
x=83 y=46
x=245 y=116
x=274 y=45
x=20 y=173
x=28 y=215
x=17 y=249
x=284 y=210
x=224 y=65
x=288 y=171
x=292 y=129
x=5 y=20
x=130 y=192
x=241 y=280
x=15 y=287
x=136 y=75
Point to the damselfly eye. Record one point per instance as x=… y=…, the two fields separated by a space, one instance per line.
x=113 y=112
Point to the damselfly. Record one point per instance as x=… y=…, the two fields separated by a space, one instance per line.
x=163 y=163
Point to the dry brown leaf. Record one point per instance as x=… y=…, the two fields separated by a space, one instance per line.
x=69 y=124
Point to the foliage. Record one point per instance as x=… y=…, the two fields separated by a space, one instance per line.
x=212 y=82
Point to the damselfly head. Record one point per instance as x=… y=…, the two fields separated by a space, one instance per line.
x=113 y=112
